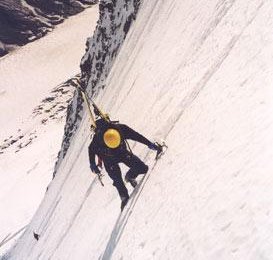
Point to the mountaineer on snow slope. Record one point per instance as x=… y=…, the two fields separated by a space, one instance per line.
x=109 y=144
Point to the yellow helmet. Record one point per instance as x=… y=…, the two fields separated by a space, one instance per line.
x=112 y=138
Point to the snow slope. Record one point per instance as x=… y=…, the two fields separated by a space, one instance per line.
x=33 y=116
x=199 y=75
x=27 y=74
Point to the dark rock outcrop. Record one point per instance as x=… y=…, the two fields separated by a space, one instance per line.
x=24 y=21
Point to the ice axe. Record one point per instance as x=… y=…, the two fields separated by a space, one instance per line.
x=100 y=179
x=161 y=149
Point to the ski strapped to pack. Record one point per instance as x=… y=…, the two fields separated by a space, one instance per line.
x=96 y=108
x=88 y=101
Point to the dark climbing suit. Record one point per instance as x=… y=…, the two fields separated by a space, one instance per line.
x=112 y=157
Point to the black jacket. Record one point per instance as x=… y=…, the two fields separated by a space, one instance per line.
x=98 y=147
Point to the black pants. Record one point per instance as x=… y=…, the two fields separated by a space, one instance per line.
x=136 y=166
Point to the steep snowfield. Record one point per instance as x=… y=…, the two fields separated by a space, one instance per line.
x=32 y=118
x=199 y=75
x=35 y=69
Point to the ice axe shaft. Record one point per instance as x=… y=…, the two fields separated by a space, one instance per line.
x=85 y=98
x=100 y=179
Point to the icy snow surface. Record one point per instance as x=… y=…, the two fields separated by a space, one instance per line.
x=199 y=75
x=32 y=117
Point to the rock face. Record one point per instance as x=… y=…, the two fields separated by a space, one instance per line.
x=23 y=21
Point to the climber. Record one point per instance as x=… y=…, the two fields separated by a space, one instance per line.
x=110 y=145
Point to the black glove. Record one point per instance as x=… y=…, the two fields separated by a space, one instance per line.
x=155 y=147
x=94 y=168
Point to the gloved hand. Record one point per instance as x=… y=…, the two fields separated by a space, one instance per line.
x=154 y=146
x=94 y=168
